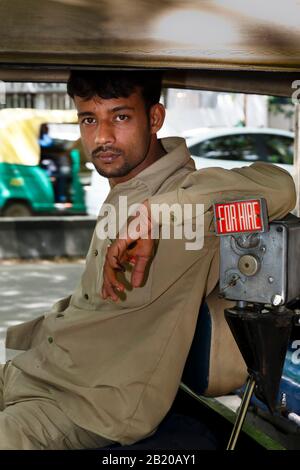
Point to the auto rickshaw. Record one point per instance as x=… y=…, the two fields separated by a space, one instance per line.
x=38 y=176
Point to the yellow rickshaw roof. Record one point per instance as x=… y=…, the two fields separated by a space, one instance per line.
x=19 y=132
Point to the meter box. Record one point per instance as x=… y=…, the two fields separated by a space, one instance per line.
x=258 y=263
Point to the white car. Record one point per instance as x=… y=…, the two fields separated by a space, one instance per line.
x=96 y=193
x=240 y=146
x=222 y=147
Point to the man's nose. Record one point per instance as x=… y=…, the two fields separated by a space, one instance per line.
x=104 y=134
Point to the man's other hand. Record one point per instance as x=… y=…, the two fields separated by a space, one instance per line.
x=137 y=248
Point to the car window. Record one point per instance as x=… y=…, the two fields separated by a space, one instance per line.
x=278 y=149
x=231 y=147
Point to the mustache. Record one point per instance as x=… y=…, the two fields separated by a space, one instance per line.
x=106 y=148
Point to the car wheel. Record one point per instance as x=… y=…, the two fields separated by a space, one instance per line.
x=16 y=209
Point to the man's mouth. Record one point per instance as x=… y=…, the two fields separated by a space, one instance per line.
x=107 y=157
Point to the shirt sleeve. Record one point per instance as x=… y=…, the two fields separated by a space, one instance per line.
x=211 y=185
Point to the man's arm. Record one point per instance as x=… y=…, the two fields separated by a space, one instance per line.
x=206 y=187
x=212 y=185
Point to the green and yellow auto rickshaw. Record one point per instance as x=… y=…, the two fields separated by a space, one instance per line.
x=39 y=172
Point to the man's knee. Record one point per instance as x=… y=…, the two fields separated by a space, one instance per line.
x=32 y=425
x=40 y=424
x=12 y=436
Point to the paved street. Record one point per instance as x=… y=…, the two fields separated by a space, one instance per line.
x=29 y=289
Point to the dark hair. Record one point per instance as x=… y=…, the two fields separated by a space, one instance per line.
x=115 y=84
x=44 y=129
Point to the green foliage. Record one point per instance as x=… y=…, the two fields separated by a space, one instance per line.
x=281 y=105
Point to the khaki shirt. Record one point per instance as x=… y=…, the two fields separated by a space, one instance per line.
x=115 y=368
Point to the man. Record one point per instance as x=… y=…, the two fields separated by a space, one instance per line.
x=105 y=364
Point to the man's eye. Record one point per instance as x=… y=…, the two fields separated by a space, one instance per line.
x=122 y=117
x=88 y=120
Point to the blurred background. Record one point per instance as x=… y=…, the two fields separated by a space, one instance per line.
x=44 y=170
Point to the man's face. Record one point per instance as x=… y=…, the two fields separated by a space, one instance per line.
x=116 y=134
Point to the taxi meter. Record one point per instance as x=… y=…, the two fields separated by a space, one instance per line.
x=259 y=262
x=260 y=270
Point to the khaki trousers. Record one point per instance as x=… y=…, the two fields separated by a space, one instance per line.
x=30 y=419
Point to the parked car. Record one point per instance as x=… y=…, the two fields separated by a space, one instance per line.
x=96 y=192
x=222 y=147
x=237 y=147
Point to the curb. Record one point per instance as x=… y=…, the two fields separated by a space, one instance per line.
x=45 y=237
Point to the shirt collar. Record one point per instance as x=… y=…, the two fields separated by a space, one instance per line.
x=153 y=176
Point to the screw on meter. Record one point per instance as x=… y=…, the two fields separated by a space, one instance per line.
x=248 y=265
x=277 y=300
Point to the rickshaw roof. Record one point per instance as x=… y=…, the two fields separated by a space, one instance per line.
x=20 y=129
x=250 y=45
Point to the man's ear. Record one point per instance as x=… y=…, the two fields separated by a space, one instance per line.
x=157 y=117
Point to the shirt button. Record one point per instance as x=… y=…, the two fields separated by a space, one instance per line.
x=50 y=339
x=95 y=252
x=86 y=296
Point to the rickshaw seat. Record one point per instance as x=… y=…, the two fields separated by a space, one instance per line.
x=221 y=369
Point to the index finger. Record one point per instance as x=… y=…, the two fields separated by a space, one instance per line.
x=138 y=271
